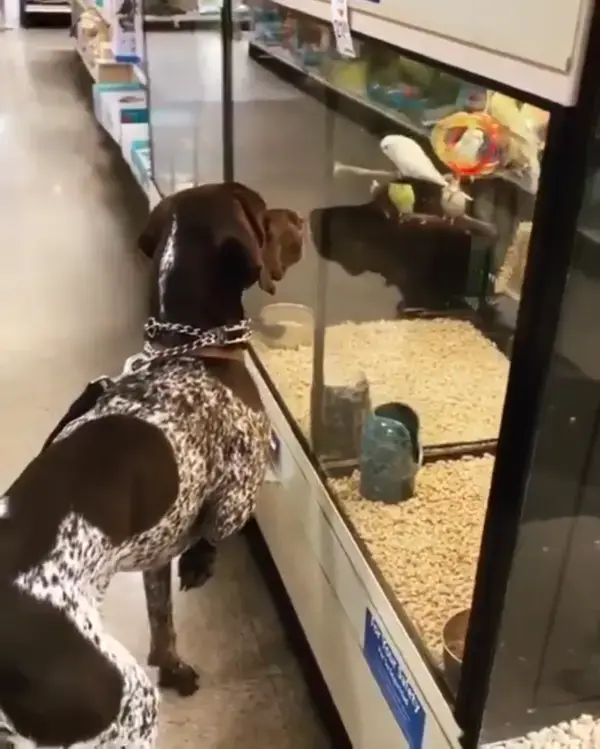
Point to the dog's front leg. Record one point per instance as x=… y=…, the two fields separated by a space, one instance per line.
x=173 y=673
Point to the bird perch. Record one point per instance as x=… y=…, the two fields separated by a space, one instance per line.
x=339 y=168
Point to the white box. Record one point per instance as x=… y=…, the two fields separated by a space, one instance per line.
x=127 y=31
x=118 y=104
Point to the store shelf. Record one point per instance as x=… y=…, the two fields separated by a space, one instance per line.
x=209 y=16
x=89 y=6
x=50 y=8
x=44 y=14
x=106 y=71
x=381 y=21
x=367 y=114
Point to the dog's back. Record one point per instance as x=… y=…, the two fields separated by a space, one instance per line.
x=60 y=520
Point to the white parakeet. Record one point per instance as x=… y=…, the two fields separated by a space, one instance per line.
x=470 y=143
x=410 y=159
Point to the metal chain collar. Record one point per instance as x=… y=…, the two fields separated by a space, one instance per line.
x=225 y=335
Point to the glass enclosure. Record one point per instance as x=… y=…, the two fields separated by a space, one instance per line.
x=389 y=344
x=547 y=665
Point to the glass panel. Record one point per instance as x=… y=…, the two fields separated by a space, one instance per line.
x=389 y=343
x=547 y=668
x=184 y=72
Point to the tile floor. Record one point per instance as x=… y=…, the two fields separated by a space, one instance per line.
x=72 y=300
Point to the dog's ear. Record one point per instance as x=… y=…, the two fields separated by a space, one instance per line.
x=283 y=246
x=242 y=228
x=158 y=223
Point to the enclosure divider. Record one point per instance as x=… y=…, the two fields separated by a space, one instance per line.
x=227 y=31
x=554 y=225
x=320 y=313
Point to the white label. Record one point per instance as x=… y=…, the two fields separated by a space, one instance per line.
x=341 y=28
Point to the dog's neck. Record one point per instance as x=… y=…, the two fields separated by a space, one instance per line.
x=236 y=352
x=215 y=311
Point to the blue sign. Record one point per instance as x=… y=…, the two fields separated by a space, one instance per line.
x=395 y=686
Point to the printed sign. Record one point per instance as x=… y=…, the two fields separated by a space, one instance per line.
x=341 y=28
x=390 y=675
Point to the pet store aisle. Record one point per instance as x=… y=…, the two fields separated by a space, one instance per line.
x=73 y=292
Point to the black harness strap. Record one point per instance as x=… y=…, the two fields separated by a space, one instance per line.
x=82 y=405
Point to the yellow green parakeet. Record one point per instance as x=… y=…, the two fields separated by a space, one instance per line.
x=402 y=196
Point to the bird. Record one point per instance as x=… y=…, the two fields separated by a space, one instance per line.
x=469 y=145
x=453 y=200
x=410 y=159
x=412 y=162
x=402 y=197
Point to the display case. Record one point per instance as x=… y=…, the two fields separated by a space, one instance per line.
x=429 y=367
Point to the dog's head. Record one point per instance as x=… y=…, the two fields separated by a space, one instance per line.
x=210 y=243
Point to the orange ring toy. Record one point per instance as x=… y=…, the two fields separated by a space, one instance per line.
x=449 y=132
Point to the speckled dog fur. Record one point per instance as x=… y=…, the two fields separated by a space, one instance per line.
x=220 y=446
x=215 y=441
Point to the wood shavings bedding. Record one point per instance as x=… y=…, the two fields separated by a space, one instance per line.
x=427 y=548
x=449 y=372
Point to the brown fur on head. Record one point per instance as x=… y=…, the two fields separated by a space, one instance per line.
x=283 y=246
x=228 y=223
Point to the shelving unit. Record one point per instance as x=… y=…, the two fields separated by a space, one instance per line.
x=206 y=17
x=105 y=70
x=44 y=13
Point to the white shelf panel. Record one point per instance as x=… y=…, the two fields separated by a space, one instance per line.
x=464 y=22
x=48 y=8
x=557 y=85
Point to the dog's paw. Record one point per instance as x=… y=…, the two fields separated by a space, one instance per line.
x=181 y=678
x=196 y=566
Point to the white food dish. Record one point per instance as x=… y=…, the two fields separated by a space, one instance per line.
x=285 y=325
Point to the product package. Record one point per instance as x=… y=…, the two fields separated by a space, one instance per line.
x=127 y=31
x=269 y=25
x=133 y=134
x=116 y=104
x=141 y=163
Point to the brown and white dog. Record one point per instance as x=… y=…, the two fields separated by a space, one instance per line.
x=165 y=459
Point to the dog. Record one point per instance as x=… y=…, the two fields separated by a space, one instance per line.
x=165 y=459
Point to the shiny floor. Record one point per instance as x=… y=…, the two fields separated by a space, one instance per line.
x=72 y=300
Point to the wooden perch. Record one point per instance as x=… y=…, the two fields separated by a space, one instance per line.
x=431 y=214
x=462 y=223
x=339 y=168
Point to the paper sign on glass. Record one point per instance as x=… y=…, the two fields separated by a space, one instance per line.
x=341 y=28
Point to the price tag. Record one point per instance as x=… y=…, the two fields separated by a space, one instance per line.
x=341 y=28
